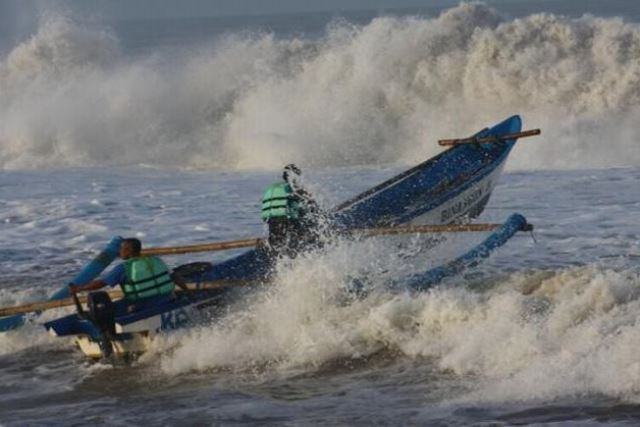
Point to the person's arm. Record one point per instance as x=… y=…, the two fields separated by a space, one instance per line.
x=116 y=276
x=299 y=190
x=305 y=198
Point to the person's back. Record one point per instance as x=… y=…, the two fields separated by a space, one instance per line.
x=146 y=277
x=280 y=202
x=144 y=280
x=288 y=211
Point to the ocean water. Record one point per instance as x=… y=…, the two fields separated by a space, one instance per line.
x=170 y=130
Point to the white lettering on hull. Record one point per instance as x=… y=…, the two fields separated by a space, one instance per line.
x=463 y=203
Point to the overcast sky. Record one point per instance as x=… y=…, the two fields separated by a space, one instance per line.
x=124 y=8
x=136 y=9
x=12 y=10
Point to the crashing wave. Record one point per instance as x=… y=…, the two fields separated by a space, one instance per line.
x=378 y=93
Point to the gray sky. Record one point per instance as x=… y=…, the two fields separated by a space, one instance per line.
x=16 y=10
x=136 y=9
x=141 y=8
x=18 y=18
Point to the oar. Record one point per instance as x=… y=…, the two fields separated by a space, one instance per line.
x=365 y=232
x=489 y=139
x=115 y=294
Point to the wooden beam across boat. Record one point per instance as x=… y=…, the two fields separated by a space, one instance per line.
x=489 y=139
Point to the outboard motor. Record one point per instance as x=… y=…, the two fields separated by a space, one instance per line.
x=102 y=315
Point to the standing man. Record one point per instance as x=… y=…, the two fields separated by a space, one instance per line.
x=290 y=213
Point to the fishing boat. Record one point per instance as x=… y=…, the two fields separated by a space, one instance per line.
x=126 y=334
x=453 y=186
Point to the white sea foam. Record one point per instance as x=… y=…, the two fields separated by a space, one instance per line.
x=383 y=92
x=576 y=335
x=31 y=334
x=534 y=336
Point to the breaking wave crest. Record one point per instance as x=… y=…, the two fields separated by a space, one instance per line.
x=530 y=336
x=382 y=92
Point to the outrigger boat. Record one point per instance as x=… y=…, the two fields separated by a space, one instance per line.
x=451 y=187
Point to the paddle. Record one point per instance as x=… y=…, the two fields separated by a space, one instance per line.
x=489 y=139
x=367 y=232
x=115 y=294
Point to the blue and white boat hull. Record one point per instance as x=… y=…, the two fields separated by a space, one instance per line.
x=136 y=337
x=135 y=331
x=468 y=204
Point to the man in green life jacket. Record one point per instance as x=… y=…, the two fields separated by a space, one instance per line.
x=291 y=214
x=145 y=280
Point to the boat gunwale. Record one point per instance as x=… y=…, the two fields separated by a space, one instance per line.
x=393 y=180
x=417 y=168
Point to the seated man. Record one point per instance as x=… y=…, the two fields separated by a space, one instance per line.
x=145 y=280
x=290 y=213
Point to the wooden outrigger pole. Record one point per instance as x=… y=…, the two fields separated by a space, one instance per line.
x=364 y=232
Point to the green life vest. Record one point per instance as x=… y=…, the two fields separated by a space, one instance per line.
x=280 y=202
x=147 y=276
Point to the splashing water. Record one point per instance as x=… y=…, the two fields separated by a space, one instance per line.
x=575 y=335
x=375 y=93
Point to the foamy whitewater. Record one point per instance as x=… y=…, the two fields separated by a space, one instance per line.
x=359 y=94
x=181 y=143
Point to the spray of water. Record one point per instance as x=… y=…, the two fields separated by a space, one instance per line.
x=529 y=336
x=382 y=92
